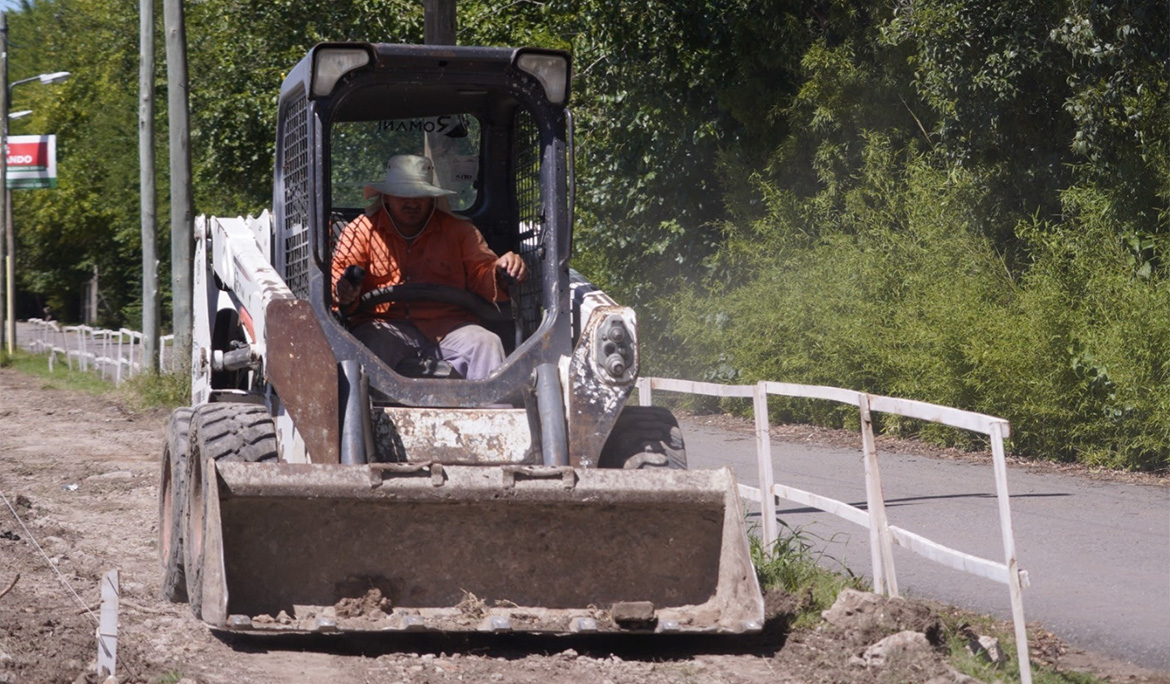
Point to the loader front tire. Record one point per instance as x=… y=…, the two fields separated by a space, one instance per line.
x=221 y=432
x=172 y=504
x=641 y=437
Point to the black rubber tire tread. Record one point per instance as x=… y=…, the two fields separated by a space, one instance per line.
x=235 y=432
x=224 y=432
x=641 y=429
x=172 y=504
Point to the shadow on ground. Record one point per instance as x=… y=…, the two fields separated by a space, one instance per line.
x=514 y=646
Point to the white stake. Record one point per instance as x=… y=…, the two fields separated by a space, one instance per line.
x=107 y=633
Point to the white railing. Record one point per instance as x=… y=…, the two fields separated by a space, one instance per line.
x=882 y=534
x=114 y=354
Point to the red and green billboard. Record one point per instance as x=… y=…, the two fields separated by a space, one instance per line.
x=32 y=161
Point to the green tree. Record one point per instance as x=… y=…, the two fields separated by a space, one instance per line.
x=235 y=83
x=90 y=221
x=1119 y=89
x=669 y=92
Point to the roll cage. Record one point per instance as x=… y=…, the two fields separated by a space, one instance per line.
x=498 y=135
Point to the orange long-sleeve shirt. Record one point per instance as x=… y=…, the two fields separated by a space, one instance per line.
x=448 y=251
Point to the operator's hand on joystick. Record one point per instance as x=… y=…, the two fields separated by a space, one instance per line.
x=512 y=268
x=349 y=286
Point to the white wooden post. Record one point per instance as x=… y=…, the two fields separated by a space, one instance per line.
x=769 y=528
x=107 y=633
x=104 y=353
x=130 y=355
x=64 y=334
x=644 y=398
x=118 y=370
x=881 y=546
x=1015 y=587
x=82 y=335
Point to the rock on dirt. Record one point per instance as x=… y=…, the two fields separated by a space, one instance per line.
x=78 y=475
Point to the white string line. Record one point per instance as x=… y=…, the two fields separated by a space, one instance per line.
x=28 y=533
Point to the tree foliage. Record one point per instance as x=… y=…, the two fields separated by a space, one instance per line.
x=1000 y=249
x=959 y=201
x=91 y=221
x=235 y=82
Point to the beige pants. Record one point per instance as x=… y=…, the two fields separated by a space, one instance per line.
x=472 y=350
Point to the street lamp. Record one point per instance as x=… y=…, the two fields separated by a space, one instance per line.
x=46 y=79
x=5 y=193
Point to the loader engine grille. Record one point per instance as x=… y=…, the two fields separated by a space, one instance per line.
x=296 y=196
x=526 y=299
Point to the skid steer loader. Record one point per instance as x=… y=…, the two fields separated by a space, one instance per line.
x=311 y=487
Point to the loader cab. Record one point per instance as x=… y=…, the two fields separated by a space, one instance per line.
x=494 y=122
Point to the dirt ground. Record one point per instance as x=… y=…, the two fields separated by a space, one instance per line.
x=78 y=475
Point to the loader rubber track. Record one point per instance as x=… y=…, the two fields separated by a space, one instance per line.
x=223 y=432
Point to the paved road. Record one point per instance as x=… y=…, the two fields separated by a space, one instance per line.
x=1098 y=554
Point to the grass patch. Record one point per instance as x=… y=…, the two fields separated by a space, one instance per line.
x=157 y=390
x=142 y=392
x=60 y=377
x=958 y=628
x=794 y=565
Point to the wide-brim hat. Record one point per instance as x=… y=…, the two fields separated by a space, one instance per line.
x=407 y=175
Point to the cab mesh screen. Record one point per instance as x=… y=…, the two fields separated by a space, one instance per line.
x=295 y=230
x=526 y=298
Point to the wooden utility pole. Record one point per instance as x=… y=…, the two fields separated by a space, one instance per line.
x=6 y=251
x=439 y=22
x=182 y=208
x=147 y=198
x=438 y=29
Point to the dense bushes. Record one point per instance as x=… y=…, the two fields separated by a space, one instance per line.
x=970 y=208
x=1092 y=360
x=907 y=296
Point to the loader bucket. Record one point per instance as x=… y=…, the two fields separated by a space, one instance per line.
x=389 y=547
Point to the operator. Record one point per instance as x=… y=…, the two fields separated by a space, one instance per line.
x=403 y=238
